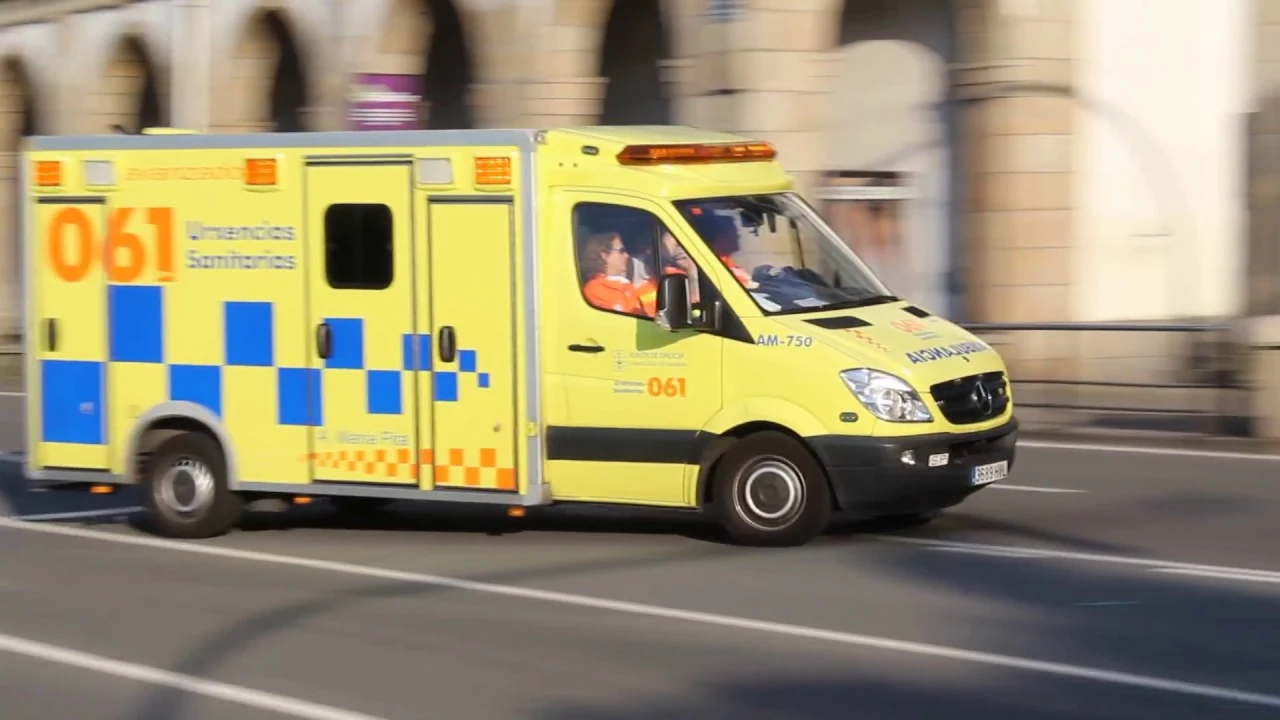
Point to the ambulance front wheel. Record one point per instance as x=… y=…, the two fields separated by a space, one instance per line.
x=770 y=491
x=185 y=490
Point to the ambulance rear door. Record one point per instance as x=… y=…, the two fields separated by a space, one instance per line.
x=67 y=427
x=361 y=402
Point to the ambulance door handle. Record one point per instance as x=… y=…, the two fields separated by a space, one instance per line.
x=324 y=340
x=448 y=344
x=51 y=334
x=586 y=348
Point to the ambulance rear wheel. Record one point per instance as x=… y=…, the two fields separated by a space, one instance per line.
x=185 y=490
x=770 y=491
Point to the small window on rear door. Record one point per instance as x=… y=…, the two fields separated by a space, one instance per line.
x=358 y=246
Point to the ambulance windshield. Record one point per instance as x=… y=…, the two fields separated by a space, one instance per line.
x=783 y=253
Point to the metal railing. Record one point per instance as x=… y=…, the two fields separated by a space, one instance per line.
x=1153 y=377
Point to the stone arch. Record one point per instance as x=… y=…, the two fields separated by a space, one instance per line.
x=130 y=95
x=273 y=82
x=19 y=118
x=890 y=122
x=635 y=48
x=426 y=40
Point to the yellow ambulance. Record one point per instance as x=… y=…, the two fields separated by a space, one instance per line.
x=647 y=316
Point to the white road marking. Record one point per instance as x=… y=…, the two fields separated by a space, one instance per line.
x=1147 y=450
x=282 y=704
x=80 y=514
x=989 y=553
x=12 y=393
x=1033 y=488
x=1218 y=571
x=1222 y=575
x=1111 y=677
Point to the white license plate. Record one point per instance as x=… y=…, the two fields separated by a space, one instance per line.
x=987 y=474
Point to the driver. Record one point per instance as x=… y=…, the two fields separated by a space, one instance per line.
x=721 y=235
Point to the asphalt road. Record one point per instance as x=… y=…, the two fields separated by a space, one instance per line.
x=1094 y=584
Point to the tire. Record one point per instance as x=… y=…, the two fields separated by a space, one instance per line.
x=350 y=505
x=185 y=490
x=769 y=491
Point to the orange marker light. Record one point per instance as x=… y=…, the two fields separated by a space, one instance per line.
x=48 y=173
x=302 y=500
x=515 y=512
x=493 y=171
x=102 y=489
x=696 y=153
x=260 y=171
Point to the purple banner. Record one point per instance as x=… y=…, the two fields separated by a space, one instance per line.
x=385 y=102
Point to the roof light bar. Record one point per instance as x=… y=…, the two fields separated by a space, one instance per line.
x=694 y=154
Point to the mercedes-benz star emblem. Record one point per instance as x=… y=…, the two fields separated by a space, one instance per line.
x=981 y=397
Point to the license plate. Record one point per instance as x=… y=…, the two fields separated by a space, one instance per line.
x=987 y=474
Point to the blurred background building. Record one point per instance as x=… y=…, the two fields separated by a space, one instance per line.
x=996 y=160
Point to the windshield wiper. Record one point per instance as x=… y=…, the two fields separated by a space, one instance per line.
x=862 y=302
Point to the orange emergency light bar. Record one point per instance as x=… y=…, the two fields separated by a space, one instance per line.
x=693 y=154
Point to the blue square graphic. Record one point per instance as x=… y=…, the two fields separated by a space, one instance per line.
x=446 y=386
x=467 y=360
x=135 y=316
x=408 y=345
x=248 y=332
x=71 y=401
x=347 y=352
x=383 y=392
x=483 y=380
x=199 y=384
x=300 y=397
x=422 y=345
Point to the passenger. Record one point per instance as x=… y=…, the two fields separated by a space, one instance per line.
x=675 y=261
x=605 y=262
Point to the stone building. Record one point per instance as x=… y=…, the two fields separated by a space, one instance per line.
x=944 y=134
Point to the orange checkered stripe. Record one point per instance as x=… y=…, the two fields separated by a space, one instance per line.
x=380 y=462
x=450 y=469
x=867 y=339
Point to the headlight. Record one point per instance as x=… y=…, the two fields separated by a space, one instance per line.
x=886 y=396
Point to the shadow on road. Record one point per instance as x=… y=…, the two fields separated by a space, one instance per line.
x=993 y=696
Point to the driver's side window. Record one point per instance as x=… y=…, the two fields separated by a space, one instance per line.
x=622 y=252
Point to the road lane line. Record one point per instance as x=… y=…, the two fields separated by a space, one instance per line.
x=1111 y=677
x=1034 y=488
x=80 y=514
x=12 y=393
x=1146 y=450
x=1222 y=575
x=988 y=553
x=282 y=704
x=1146 y=563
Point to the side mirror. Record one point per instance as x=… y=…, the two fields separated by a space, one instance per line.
x=673 y=303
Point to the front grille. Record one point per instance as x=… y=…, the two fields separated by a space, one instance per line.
x=959 y=399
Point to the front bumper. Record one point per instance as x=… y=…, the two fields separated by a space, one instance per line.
x=870 y=479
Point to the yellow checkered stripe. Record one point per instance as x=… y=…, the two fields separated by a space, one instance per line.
x=451 y=467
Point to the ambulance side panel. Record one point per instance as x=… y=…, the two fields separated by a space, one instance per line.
x=205 y=313
x=209 y=320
